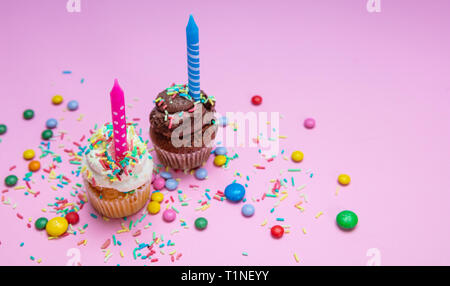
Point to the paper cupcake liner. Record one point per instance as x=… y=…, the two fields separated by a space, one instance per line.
x=120 y=207
x=185 y=161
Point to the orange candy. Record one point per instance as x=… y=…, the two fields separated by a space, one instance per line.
x=34 y=166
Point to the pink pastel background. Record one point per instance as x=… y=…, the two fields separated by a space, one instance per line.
x=376 y=83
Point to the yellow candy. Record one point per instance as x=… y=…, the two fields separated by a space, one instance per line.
x=344 y=179
x=153 y=207
x=219 y=160
x=157 y=197
x=57 y=99
x=28 y=154
x=297 y=156
x=56 y=226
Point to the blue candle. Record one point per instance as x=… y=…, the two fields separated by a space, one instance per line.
x=193 y=59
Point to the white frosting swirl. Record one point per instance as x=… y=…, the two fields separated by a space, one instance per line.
x=135 y=174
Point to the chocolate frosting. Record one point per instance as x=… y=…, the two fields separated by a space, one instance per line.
x=173 y=106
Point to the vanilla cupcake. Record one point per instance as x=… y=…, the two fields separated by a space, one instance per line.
x=117 y=189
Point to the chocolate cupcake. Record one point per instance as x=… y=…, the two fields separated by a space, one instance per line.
x=183 y=130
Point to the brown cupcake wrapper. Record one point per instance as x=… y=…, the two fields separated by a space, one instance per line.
x=120 y=207
x=185 y=161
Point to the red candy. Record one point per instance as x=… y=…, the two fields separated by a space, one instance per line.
x=256 y=100
x=72 y=218
x=277 y=231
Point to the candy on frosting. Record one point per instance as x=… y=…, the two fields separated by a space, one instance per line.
x=100 y=168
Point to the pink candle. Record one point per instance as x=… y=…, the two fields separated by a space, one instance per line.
x=119 y=121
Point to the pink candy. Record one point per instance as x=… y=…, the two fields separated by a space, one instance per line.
x=158 y=183
x=309 y=123
x=169 y=215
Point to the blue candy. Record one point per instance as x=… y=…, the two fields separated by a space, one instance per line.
x=223 y=121
x=248 y=210
x=171 y=184
x=234 y=192
x=72 y=105
x=201 y=173
x=166 y=175
x=220 y=151
x=51 y=123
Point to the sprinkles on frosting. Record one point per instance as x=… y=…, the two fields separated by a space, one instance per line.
x=115 y=170
x=181 y=90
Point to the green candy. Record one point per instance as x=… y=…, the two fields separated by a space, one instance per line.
x=47 y=134
x=347 y=219
x=2 y=129
x=11 y=180
x=28 y=114
x=201 y=223
x=41 y=223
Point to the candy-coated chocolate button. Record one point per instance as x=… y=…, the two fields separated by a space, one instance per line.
x=235 y=192
x=171 y=184
x=344 y=179
x=220 y=151
x=72 y=105
x=34 y=166
x=248 y=210
x=223 y=121
x=157 y=197
x=166 y=175
x=201 y=173
x=169 y=215
x=309 y=123
x=11 y=180
x=3 y=129
x=347 y=219
x=256 y=100
x=153 y=207
x=57 y=99
x=220 y=160
x=40 y=223
x=47 y=134
x=57 y=226
x=28 y=114
x=159 y=183
x=201 y=223
x=72 y=218
x=51 y=123
x=28 y=154
x=277 y=231
x=297 y=156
